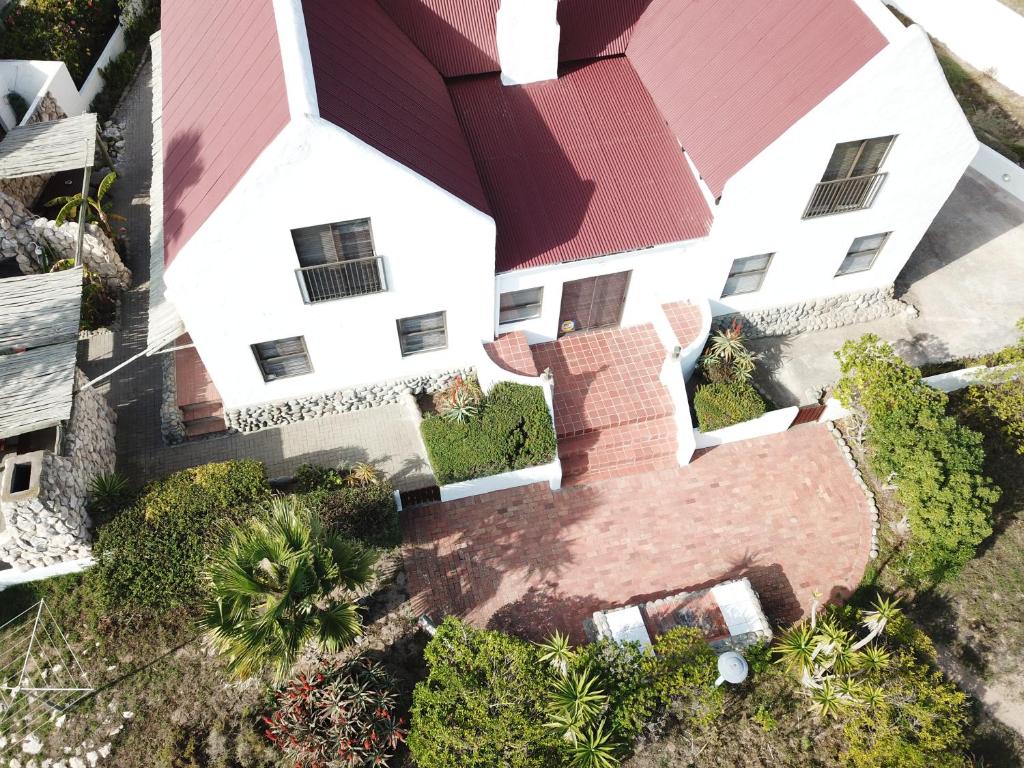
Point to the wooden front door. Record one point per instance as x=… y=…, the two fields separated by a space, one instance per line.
x=594 y=302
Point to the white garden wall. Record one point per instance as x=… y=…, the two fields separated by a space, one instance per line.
x=94 y=82
x=985 y=33
x=546 y=473
x=770 y=423
x=999 y=170
x=32 y=80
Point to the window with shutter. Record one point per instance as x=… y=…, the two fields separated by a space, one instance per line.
x=423 y=333
x=747 y=274
x=337 y=261
x=862 y=254
x=852 y=177
x=282 y=358
x=520 y=305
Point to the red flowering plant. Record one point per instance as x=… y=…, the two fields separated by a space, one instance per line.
x=342 y=715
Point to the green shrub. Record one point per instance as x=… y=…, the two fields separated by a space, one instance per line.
x=18 y=105
x=511 y=430
x=149 y=557
x=363 y=511
x=935 y=462
x=72 y=31
x=724 y=403
x=118 y=72
x=481 y=705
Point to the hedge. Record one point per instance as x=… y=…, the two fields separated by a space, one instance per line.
x=149 y=557
x=366 y=513
x=511 y=430
x=72 y=31
x=724 y=403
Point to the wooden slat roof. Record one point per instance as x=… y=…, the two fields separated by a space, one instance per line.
x=51 y=147
x=36 y=388
x=38 y=310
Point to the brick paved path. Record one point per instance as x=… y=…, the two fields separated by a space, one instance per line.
x=385 y=436
x=782 y=510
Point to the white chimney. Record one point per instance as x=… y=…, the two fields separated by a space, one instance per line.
x=528 y=36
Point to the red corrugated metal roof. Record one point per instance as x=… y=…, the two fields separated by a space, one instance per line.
x=224 y=100
x=373 y=82
x=731 y=77
x=578 y=167
x=458 y=36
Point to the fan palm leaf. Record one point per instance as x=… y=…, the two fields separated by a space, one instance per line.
x=273 y=591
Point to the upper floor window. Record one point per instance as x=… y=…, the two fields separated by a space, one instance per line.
x=283 y=358
x=862 y=254
x=423 y=333
x=520 y=305
x=852 y=177
x=747 y=274
x=337 y=260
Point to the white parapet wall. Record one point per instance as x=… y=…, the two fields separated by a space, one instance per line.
x=672 y=378
x=770 y=423
x=985 y=33
x=94 y=81
x=999 y=170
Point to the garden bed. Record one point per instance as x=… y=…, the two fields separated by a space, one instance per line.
x=506 y=430
x=72 y=31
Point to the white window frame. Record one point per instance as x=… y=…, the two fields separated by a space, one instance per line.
x=738 y=272
x=269 y=377
x=537 y=306
x=402 y=336
x=851 y=254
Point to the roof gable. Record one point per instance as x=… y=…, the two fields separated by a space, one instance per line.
x=459 y=36
x=224 y=101
x=731 y=77
x=375 y=84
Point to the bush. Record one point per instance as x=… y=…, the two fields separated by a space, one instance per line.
x=935 y=462
x=118 y=72
x=72 y=31
x=724 y=403
x=480 y=705
x=364 y=511
x=149 y=557
x=341 y=715
x=511 y=430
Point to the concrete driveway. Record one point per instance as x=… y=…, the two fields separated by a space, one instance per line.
x=966 y=278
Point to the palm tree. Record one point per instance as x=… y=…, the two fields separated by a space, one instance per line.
x=96 y=207
x=273 y=591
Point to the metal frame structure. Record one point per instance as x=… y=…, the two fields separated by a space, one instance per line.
x=39 y=673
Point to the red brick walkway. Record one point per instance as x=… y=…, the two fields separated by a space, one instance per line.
x=782 y=510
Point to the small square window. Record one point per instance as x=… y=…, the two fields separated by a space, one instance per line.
x=747 y=274
x=862 y=254
x=520 y=305
x=283 y=358
x=423 y=333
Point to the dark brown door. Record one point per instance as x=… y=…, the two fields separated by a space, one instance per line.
x=594 y=302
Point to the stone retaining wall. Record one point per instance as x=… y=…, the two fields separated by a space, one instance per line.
x=172 y=421
x=53 y=526
x=254 y=418
x=816 y=314
x=27 y=238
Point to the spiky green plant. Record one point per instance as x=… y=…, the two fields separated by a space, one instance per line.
x=96 y=207
x=796 y=648
x=273 y=591
x=107 y=491
x=557 y=651
x=594 y=749
x=363 y=474
x=574 y=702
x=461 y=407
x=727 y=357
x=827 y=701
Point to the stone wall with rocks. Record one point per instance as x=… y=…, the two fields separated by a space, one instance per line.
x=32 y=239
x=256 y=417
x=26 y=189
x=54 y=526
x=816 y=314
x=172 y=421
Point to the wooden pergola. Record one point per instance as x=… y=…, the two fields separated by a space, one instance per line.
x=52 y=147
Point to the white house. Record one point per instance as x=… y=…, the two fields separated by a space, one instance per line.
x=363 y=192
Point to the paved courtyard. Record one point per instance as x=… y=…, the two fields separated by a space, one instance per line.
x=782 y=510
x=388 y=437
x=965 y=278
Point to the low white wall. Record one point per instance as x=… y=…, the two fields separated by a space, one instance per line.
x=965 y=377
x=771 y=423
x=550 y=473
x=999 y=170
x=94 y=82
x=672 y=376
x=32 y=80
x=985 y=33
x=11 y=577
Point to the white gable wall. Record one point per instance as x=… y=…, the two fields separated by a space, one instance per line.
x=234 y=282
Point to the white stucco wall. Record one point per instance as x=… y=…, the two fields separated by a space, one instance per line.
x=33 y=80
x=902 y=91
x=234 y=282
